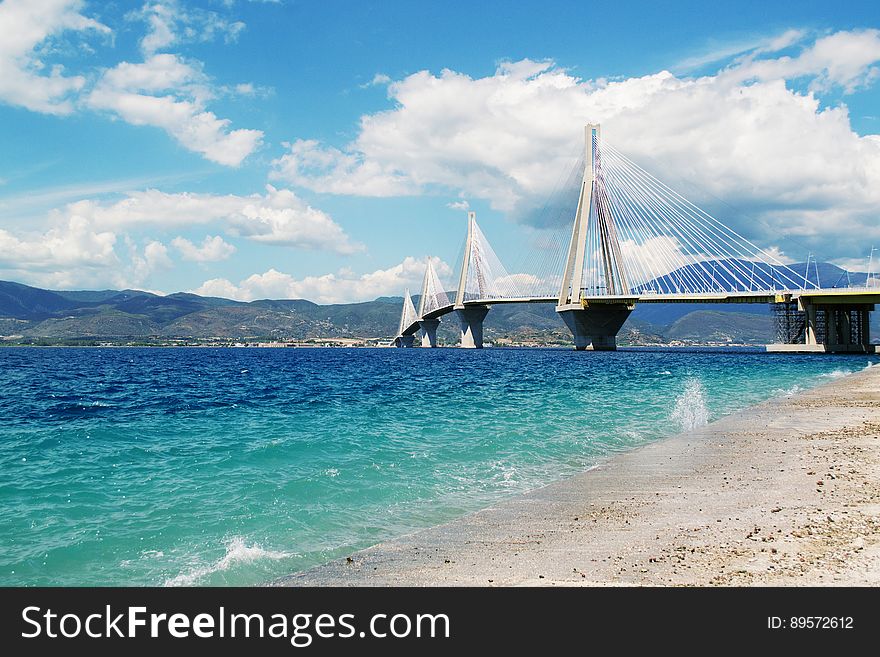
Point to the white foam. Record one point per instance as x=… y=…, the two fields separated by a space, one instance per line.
x=795 y=389
x=836 y=374
x=690 y=409
x=237 y=552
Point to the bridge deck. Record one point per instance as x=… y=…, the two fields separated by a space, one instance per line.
x=829 y=295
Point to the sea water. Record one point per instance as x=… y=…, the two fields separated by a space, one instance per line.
x=127 y=466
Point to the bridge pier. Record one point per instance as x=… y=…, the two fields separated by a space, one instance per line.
x=429 y=331
x=405 y=341
x=596 y=326
x=471 y=319
x=837 y=326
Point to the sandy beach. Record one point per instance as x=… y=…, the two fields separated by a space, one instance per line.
x=784 y=493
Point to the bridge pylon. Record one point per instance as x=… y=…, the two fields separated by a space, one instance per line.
x=433 y=299
x=408 y=323
x=471 y=316
x=594 y=243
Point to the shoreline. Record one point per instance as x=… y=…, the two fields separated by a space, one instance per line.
x=786 y=492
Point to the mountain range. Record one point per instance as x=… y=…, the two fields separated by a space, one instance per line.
x=30 y=315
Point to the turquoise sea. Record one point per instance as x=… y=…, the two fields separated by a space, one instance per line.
x=236 y=466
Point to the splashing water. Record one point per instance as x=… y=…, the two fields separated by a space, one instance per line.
x=237 y=552
x=836 y=374
x=690 y=409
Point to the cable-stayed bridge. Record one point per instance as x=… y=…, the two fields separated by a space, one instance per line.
x=635 y=240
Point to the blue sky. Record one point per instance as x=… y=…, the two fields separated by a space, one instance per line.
x=313 y=149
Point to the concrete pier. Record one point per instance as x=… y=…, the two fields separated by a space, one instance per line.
x=596 y=327
x=471 y=318
x=405 y=341
x=429 y=331
x=830 y=325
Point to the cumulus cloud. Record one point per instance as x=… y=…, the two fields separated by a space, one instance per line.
x=277 y=217
x=25 y=79
x=73 y=252
x=756 y=134
x=340 y=287
x=169 y=93
x=328 y=169
x=212 y=249
x=163 y=91
x=143 y=264
x=81 y=245
x=75 y=243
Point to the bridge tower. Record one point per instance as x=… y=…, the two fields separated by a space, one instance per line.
x=470 y=317
x=408 y=323
x=594 y=321
x=433 y=298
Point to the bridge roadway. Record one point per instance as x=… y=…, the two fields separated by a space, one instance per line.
x=829 y=296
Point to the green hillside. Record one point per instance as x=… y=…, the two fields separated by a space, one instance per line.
x=30 y=315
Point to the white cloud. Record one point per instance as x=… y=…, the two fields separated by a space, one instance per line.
x=858 y=264
x=844 y=59
x=212 y=249
x=70 y=253
x=379 y=79
x=163 y=91
x=776 y=256
x=78 y=249
x=277 y=217
x=170 y=23
x=142 y=266
x=75 y=243
x=168 y=93
x=743 y=136
x=754 y=46
x=458 y=205
x=328 y=169
x=341 y=287
x=25 y=79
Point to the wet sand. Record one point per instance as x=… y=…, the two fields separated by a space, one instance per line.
x=784 y=493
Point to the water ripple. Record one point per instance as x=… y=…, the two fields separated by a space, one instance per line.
x=232 y=466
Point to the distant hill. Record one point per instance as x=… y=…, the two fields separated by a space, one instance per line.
x=718 y=326
x=29 y=314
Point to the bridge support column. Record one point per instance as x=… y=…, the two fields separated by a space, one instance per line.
x=405 y=341
x=843 y=331
x=865 y=327
x=835 y=332
x=836 y=326
x=597 y=326
x=471 y=318
x=429 y=331
x=812 y=332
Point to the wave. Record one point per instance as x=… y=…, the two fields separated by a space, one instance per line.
x=836 y=374
x=690 y=409
x=790 y=392
x=237 y=552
